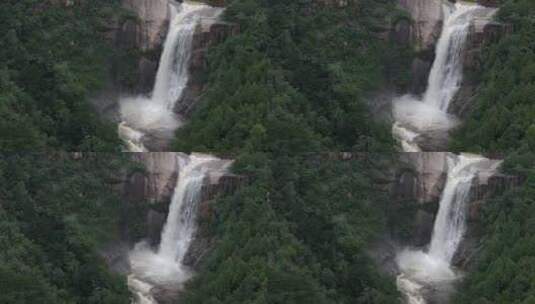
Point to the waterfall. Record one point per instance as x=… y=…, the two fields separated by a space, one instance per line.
x=424 y=270
x=180 y=225
x=154 y=116
x=172 y=75
x=415 y=116
x=451 y=218
x=164 y=267
x=446 y=73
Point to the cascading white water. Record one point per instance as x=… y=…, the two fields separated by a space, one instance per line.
x=163 y=268
x=450 y=223
x=446 y=74
x=154 y=115
x=415 y=116
x=421 y=270
x=172 y=74
x=180 y=225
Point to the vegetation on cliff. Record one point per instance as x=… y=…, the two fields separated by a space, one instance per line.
x=503 y=122
x=297 y=234
x=503 y=119
x=296 y=79
x=504 y=271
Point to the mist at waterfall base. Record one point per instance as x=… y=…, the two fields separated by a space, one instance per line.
x=428 y=114
x=429 y=271
x=154 y=115
x=163 y=268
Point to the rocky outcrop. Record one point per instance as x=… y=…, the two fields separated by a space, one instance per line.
x=143 y=33
x=148 y=31
x=157 y=181
x=153 y=184
x=419 y=180
x=484 y=188
x=427 y=18
x=203 y=241
x=209 y=33
x=484 y=30
x=421 y=177
x=422 y=31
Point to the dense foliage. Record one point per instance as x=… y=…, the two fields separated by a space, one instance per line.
x=54 y=212
x=297 y=234
x=505 y=270
x=52 y=56
x=503 y=121
x=297 y=77
x=504 y=116
x=295 y=80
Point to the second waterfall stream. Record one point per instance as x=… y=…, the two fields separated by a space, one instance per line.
x=162 y=268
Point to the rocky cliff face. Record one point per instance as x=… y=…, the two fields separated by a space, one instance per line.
x=209 y=33
x=151 y=26
x=483 y=31
x=427 y=17
x=157 y=181
x=146 y=33
x=422 y=31
x=420 y=178
x=154 y=183
x=485 y=187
